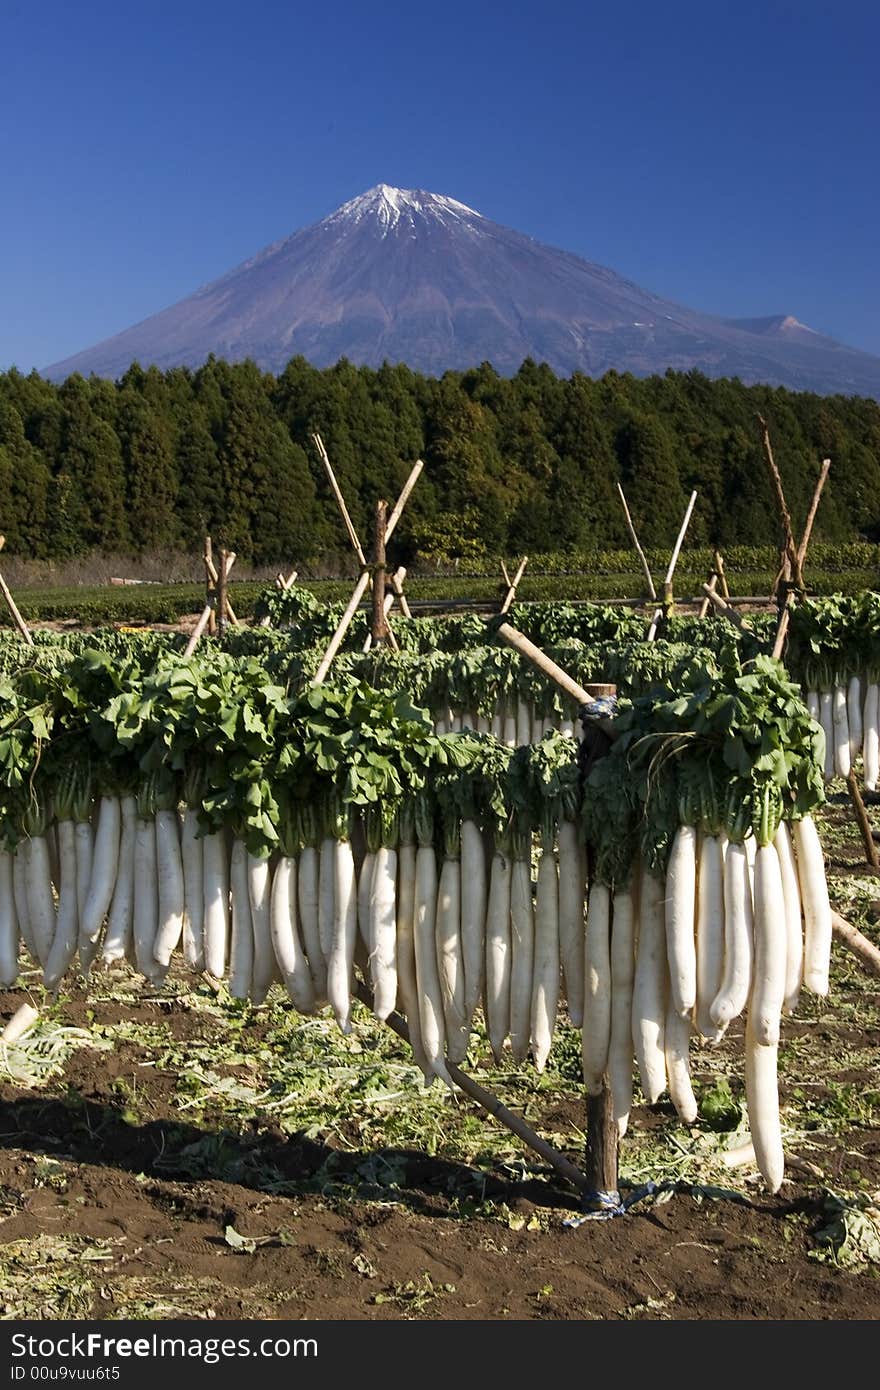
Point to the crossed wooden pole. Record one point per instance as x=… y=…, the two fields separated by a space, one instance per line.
x=283 y=582
x=365 y=581
x=19 y=621
x=670 y=570
x=216 y=602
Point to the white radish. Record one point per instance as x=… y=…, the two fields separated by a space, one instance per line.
x=572 y=896
x=596 y=1035
x=19 y=889
x=84 y=849
x=681 y=882
x=146 y=898
x=678 y=1070
x=105 y=862
x=794 y=940
x=427 y=974
x=259 y=890
x=286 y=942
x=509 y=729
x=771 y=947
x=522 y=958
x=241 y=946
x=871 y=737
x=474 y=893
x=710 y=934
x=365 y=888
x=340 y=961
x=826 y=719
x=840 y=723
x=854 y=717
x=736 y=980
x=812 y=702
x=620 y=1047
x=450 y=962
x=523 y=723
x=762 y=1102
x=120 y=918
x=215 y=864
x=537 y=732
x=545 y=981
x=308 y=892
x=407 y=985
x=41 y=905
x=191 y=855
x=497 y=1003
x=649 y=987
x=169 y=877
x=326 y=894
x=817 y=908
x=67 y=925
x=8 y=923
x=20 y=1023
x=383 y=931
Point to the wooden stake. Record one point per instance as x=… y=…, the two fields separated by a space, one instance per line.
x=704 y=606
x=719 y=570
x=512 y=584
x=212 y=570
x=727 y=609
x=785 y=516
x=222 y=601
x=19 y=621
x=515 y=1123
x=635 y=540
x=667 y=583
x=397 y=579
x=862 y=819
x=852 y=938
x=811 y=515
x=210 y=606
x=601 y=1146
x=340 y=500
x=379 y=625
x=210 y=586
x=389 y=604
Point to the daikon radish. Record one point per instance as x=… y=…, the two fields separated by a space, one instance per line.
x=817 y=909
x=840 y=728
x=762 y=1102
x=620 y=1047
x=522 y=950
x=771 y=947
x=498 y=950
x=854 y=717
x=193 y=891
x=545 y=982
x=649 y=987
x=259 y=881
x=736 y=980
x=215 y=864
x=474 y=896
x=681 y=883
x=383 y=930
x=407 y=985
x=710 y=935
x=8 y=923
x=794 y=941
x=344 y=934
x=241 y=947
x=286 y=943
x=826 y=719
x=572 y=898
x=871 y=736
x=425 y=941
x=118 y=936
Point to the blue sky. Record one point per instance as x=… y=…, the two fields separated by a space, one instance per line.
x=724 y=155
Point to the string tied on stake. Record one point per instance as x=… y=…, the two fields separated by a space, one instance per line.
x=609 y=1204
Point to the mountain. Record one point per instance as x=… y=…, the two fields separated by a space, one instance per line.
x=407 y=276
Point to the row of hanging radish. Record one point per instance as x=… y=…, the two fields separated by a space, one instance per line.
x=514 y=722
x=849 y=713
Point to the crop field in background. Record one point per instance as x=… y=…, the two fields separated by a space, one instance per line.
x=180 y=1154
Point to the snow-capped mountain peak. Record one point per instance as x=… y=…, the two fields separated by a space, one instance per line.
x=390 y=206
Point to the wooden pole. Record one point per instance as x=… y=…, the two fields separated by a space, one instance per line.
x=811 y=514
x=513 y=583
x=212 y=570
x=719 y=570
x=340 y=500
x=397 y=579
x=635 y=540
x=222 y=614
x=403 y=498
x=210 y=585
x=379 y=625
x=19 y=621
x=601 y=1148
x=864 y=824
x=704 y=606
x=782 y=506
x=198 y=630
x=515 y=1123
x=389 y=604
x=852 y=938
x=667 y=583
x=729 y=612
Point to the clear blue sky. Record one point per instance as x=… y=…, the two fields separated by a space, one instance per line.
x=722 y=153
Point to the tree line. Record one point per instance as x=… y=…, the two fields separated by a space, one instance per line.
x=158 y=459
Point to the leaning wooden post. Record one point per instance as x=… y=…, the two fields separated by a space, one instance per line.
x=635 y=540
x=719 y=570
x=379 y=625
x=212 y=570
x=856 y=942
x=222 y=612
x=788 y=547
x=210 y=585
x=811 y=514
x=19 y=621
x=864 y=824
x=667 y=583
x=727 y=609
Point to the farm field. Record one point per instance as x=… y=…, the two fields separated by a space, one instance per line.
x=185 y=1155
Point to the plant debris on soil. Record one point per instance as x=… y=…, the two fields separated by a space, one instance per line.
x=179 y=1154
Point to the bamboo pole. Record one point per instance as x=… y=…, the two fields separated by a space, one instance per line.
x=222 y=600
x=397 y=579
x=712 y=585
x=811 y=514
x=856 y=942
x=789 y=546
x=512 y=584
x=19 y=621
x=490 y=1103
x=862 y=821
x=727 y=609
x=719 y=570
x=340 y=500
x=212 y=570
x=210 y=585
x=635 y=540
x=403 y=498
x=667 y=583
x=379 y=624
x=210 y=606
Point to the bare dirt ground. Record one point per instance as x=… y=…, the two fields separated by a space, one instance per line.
x=182 y=1155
